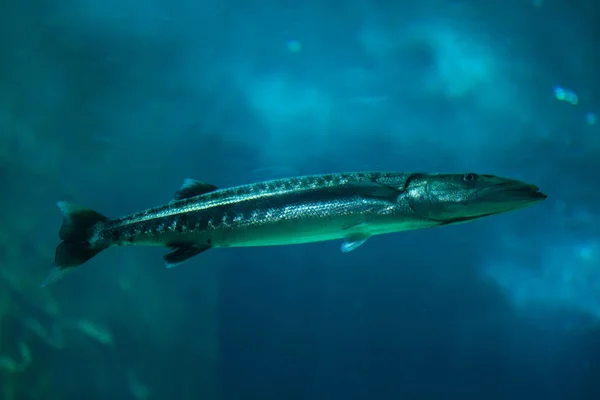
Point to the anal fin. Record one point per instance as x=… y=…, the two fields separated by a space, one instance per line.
x=182 y=252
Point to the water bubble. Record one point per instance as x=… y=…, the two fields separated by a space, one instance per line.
x=567 y=95
x=591 y=118
x=294 y=46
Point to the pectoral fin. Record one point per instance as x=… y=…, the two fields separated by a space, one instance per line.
x=377 y=190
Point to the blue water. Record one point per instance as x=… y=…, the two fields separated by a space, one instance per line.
x=113 y=104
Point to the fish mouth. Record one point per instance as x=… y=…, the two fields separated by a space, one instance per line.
x=513 y=193
x=525 y=191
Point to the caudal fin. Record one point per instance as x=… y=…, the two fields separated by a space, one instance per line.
x=78 y=227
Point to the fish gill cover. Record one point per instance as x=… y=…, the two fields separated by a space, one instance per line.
x=112 y=104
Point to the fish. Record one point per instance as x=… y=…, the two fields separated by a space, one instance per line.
x=351 y=207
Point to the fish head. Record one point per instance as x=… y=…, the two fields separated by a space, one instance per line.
x=455 y=198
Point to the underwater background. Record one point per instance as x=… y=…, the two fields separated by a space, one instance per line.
x=111 y=104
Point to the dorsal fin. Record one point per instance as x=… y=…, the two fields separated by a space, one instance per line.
x=192 y=188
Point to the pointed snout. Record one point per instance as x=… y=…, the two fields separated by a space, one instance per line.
x=511 y=195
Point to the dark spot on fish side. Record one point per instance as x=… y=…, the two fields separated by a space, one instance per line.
x=182 y=223
x=115 y=235
x=209 y=242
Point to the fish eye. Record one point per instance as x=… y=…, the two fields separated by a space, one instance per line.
x=469 y=177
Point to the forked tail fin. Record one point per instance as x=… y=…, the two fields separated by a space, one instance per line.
x=78 y=227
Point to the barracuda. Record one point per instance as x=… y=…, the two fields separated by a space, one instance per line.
x=350 y=207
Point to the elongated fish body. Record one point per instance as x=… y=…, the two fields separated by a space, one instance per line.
x=347 y=206
x=279 y=212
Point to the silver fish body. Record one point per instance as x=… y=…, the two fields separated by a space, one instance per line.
x=347 y=206
x=279 y=212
